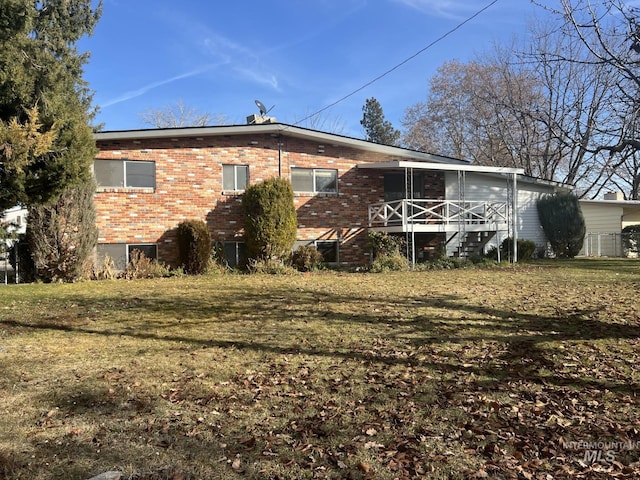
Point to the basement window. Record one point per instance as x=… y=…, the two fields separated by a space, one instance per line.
x=121 y=253
x=327 y=248
x=314 y=180
x=235 y=253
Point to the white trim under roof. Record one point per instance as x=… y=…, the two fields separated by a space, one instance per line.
x=277 y=129
x=618 y=203
x=439 y=166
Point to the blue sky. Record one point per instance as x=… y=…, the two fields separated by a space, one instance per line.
x=298 y=56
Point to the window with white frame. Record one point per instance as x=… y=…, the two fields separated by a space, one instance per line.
x=121 y=253
x=125 y=173
x=314 y=180
x=235 y=177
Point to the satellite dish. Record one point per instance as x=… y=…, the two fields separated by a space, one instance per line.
x=263 y=109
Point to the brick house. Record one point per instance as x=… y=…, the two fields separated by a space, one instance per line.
x=151 y=180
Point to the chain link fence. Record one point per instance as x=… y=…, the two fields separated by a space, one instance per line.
x=611 y=245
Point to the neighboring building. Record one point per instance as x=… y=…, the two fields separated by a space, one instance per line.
x=604 y=221
x=16 y=218
x=16 y=221
x=151 y=180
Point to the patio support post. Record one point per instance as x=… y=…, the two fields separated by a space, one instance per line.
x=407 y=215
x=405 y=212
x=514 y=218
x=462 y=206
x=413 y=230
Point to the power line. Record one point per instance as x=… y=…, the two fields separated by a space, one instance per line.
x=382 y=75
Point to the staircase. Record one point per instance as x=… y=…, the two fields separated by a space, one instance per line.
x=473 y=243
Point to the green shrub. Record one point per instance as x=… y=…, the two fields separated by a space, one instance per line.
x=381 y=244
x=448 y=263
x=563 y=223
x=526 y=249
x=194 y=246
x=270 y=219
x=306 y=258
x=389 y=263
x=631 y=239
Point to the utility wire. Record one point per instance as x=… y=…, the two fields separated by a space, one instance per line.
x=437 y=40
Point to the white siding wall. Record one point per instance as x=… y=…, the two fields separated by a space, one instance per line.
x=631 y=217
x=482 y=187
x=603 y=224
x=602 y=218
x=529 y=227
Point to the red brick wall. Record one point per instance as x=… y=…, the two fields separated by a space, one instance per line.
x=189 y=185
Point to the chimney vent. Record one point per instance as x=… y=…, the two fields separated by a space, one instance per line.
x=614 y=196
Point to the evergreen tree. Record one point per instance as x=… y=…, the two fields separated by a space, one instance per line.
x=194 y=246
x=563 y=223
x=61 y=236
x=377 y=129
x=270 y=222
x=41 y=67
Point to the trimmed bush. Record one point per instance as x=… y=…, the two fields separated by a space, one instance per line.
x=194 y=246
x=631 y=240
x=270 y=220
x=381 y=244
x=389 y=263
x=563 y=223
x=526 y=249
x=306 y=258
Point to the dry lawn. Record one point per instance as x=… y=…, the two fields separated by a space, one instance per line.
x=445 y=374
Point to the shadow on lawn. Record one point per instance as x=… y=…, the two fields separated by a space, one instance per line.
x=271 y=322
x=602 y=264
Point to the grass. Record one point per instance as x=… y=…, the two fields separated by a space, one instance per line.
x=440 y=374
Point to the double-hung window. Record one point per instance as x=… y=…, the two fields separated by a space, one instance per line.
x=314 y=180
x=235 y=177
x=125 y=173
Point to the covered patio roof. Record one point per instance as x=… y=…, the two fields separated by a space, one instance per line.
x=401 y=164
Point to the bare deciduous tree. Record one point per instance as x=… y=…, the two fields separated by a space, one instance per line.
x=320 y=122
x=547 y=107
x=179 y=115
x=608 y=34
x=476 y=111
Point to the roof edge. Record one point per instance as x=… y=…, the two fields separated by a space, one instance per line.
x=276 y=129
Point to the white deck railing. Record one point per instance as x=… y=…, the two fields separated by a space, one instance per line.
x=436 y=212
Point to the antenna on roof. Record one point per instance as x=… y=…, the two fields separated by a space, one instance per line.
x=262 y=117
x=263 y=109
